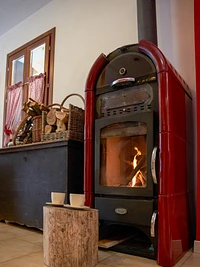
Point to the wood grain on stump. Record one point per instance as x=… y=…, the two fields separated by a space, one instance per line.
x=70 y=237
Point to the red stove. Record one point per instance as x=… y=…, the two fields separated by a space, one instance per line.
x=138 y=168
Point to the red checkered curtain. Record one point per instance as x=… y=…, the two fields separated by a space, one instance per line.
x=13 y=111
x=36 y=87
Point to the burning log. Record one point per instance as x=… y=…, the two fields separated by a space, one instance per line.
x=140 y=165
x=139 y=180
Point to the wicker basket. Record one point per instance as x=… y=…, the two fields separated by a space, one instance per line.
x=37 y=128
x=75 y=126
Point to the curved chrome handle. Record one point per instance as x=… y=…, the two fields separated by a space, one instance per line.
x=153 y=165
x=121 y=81
x=153 y=222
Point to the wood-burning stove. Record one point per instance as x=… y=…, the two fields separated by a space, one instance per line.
x=138 y=151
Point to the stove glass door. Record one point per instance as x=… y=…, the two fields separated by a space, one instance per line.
x=123 y=155
x=123 y=148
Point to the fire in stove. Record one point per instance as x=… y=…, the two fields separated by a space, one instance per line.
x=139 y=179
x=121 y=165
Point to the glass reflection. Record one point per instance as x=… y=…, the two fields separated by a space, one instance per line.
x=37 y=58
x=17 y=70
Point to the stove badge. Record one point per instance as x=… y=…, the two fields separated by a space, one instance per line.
x=121 y=211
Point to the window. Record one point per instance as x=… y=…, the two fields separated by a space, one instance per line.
x=29 y=75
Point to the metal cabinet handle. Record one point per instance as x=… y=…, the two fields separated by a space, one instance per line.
x=153 y=222
x=153 y=165
x=121 y=81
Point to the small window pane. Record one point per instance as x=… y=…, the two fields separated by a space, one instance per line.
x=17 y=70
x=37 y=60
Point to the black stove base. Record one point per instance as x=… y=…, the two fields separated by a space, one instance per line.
x=137 y=246
x=136 y=239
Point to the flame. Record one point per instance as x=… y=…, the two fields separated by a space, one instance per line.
x=133 y=182
x=135 y=157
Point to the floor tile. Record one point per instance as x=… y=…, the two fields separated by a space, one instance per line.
x=7 y=232
x=120 y=260
x=192 y=261
x=31 y=260
x=3 y=225
x=4 y=234
x=17 y=227
x=104 y=254
x=184 y=258
x=22 y=247
x=35 y=238
x=14 y=248
x=20 y=230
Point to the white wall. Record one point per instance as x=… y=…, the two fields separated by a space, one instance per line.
x=175 y=20
x=84 y=29
x=175 y=24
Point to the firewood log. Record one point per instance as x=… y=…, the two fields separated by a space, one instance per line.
x=51 y=117
x=49 y=129
x=34 y=105
x=61 y=126
x=31 y=99
x=62 y=115
x=24 y=106
x=28 y=103
x=31 y=112
x=43 y=107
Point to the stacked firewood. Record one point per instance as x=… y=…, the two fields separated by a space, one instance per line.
x=33 y=108
x=56 y=120
x=23 y=133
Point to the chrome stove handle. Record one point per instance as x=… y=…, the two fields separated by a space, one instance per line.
x=120 y=81
x=153 y=165
x=153 y=222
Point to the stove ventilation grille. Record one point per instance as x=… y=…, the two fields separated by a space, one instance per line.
x=133 y=109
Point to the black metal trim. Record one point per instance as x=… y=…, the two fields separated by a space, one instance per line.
x=138 y=80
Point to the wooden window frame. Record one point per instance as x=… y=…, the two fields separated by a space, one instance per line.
x=49 y=39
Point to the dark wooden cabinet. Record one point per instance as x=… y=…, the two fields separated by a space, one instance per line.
x=29 y=173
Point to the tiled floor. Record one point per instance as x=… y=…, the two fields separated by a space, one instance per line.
x=22 y=247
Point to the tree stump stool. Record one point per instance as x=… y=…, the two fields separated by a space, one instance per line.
x=70 y=237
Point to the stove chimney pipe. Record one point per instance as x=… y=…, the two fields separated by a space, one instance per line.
x=146 y=16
